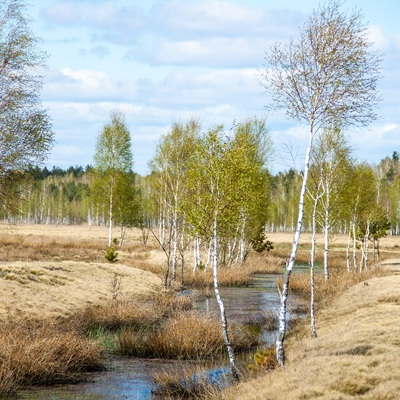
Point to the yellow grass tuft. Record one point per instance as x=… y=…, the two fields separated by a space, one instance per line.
x=41 y=354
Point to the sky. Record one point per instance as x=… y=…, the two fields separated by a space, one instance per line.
x=166 y=61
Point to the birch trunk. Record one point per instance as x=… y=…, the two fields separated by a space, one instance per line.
x=366 y=258
x=312 y=286
x=208 y=256
x=354 y=247
x=312 y=260
x=224 y=322
x=175 y=245
x=110 y=227
x=326 y=242
x=280 y=353
x=348 y=250
x=196 y=253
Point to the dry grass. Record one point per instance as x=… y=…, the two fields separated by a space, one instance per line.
x=185 y=336
x=42 y=266
x=146 y=312
x=196 y=383
x=355 y=353
x=326 y=292
x=227 y=276
x=43 y=289
x=267 y=263
x=41 y=354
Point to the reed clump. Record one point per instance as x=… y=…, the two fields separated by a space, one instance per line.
x=325 y=291
x=196 y=383
x=265 y=263
x=114 y=315
x=42 y=354
x=232 y=276
x=187 y=335
x=136 y=313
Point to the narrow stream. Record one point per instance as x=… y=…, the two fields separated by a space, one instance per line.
x=131 y=378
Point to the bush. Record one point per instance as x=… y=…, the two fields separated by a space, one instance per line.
x=110 y=254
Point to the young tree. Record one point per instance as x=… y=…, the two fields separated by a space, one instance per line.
x=26 y=134
x=113 y=163
x=214 y=178
x=169 y=167
x=325 y=77
x=252 y=141
x=331 y=159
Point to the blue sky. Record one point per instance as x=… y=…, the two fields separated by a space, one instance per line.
x=169 y=60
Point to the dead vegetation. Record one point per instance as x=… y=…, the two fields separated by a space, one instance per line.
x=39 y=269
x=355 y=353
x=42 y=354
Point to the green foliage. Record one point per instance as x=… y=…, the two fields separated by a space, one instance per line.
x=26 y=134
x=110 y=254
x=260 y=243
x=113 y=182
x=264 y=359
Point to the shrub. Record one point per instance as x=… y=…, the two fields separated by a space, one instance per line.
x=264 y=359
x=110 y=254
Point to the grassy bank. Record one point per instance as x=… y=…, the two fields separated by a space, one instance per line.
x=63 y=308
x=354 y=355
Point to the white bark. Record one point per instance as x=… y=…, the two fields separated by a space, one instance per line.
x=348 y=250
x=366 y=258
x=111 y=218
x=354 y=247
x=224 y=321
x=280 y=354
x=208 y=256
x=196 y=253
x=316 y=199
x=174 y=244
x=312 y=286
x=326 y=241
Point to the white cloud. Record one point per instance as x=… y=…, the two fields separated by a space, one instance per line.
x=85 y=84
x=179 y=89
x=378 y=37
x=211 y=32
x=241 y=52
x=185 y=58
x=221 y=18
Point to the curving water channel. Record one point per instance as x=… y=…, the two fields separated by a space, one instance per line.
x=131 y=378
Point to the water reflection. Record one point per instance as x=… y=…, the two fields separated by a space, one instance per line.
x=131 y=378
x=126 y=378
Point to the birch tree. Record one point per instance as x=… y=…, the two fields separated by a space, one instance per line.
x=331 y=158
x=328 y=74
x=252 y=142
x=169 y=166
x=214 y=176
x=113 y=162
x=26 y=134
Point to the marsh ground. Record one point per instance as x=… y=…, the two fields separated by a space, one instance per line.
x=52 y=271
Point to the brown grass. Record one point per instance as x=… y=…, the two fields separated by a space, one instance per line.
x=145 y=312
x=267 y=263
x=41 y=354
x=53 y=271
x=233 y=276
x=325 y=292
x=192 y=384
x=355 y=353
x=185 y=336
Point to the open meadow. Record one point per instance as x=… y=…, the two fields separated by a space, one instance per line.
x=59 y=294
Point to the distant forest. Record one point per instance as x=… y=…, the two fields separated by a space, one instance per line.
x=64 y=196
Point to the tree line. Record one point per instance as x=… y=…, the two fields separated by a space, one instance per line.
x=211 y=190
x=67 y=196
